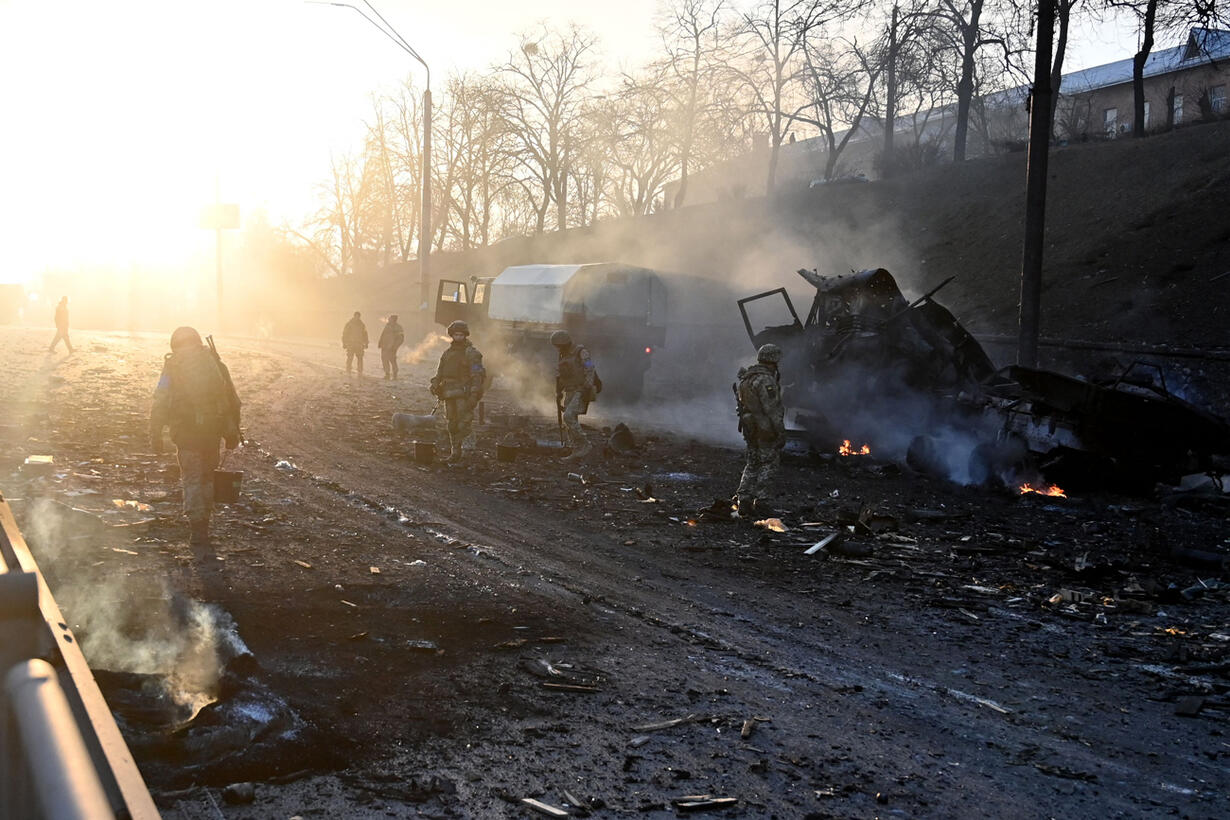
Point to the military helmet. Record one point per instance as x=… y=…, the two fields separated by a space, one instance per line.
x=560 y=338
x=185 y=337
x=769 y=354
x=458 y=326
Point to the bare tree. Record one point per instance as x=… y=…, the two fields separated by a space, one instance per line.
x=472 y=134
x=965 y=27
x=639 y=144
x=772 y=36
x=342 y=230
x=547 y=80
x=691 y=73
x=840 y=81
x=400 y=120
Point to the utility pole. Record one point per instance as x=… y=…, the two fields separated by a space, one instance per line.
x=1035 y=189
x=425 y=224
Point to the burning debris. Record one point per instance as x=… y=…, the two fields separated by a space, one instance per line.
x=1052 y=490
x=847 y=450
x=911 y=380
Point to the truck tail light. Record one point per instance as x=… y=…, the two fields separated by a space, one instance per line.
x=648 y=350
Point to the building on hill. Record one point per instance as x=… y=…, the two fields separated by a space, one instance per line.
x=1184 y=84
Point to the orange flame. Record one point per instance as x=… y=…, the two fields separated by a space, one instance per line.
x=846 y=450
x=1052 y=490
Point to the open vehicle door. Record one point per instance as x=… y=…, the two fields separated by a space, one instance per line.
x=466 y=301
x=770 y=333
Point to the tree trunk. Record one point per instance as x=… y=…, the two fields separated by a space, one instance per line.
x=1063 y=10
x=965 y=88
x=1138 y=71
x=890 y=98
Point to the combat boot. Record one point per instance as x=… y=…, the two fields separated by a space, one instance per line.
x=200 y=534
x=579 y=452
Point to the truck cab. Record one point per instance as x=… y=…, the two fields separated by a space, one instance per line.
x=617 y=311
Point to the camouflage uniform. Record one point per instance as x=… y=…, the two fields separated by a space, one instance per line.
x=196 y=399
x=391 y=338
x=574 y=388
x=459 y=382
x=762 y=420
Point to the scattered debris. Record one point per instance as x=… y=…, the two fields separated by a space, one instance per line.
x=239 y=794
x=303 y=564
x=38 y=465
x=821 y=544
x=702 y=802
x=543 y=808
x=621 y=439
x=668 y=724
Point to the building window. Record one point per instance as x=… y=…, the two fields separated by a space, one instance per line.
x=1178 y=108
x=1217 y=98
x=1110 y=121
x=1146 y=114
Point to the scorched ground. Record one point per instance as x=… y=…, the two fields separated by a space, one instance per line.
x=393 y=639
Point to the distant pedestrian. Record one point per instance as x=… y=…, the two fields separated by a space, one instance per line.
x=391 y=338
x=196 y=399
x=576 y=383
x=459 y=383
x=355 y=341
x=61 y=327
x=762 y=420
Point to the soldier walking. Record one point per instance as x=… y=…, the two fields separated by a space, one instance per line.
x=61 y=327
x=391 y=338
x=762 y=420
x=459 y=383
x=355 y=341
x=196 y=399
x=575 y=388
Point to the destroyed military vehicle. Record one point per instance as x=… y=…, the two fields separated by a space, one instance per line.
x=617 y=311
x=908 y=380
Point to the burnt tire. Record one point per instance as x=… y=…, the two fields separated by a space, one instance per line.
x=924 y=456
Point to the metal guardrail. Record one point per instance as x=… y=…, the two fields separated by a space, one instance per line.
x=62 y=754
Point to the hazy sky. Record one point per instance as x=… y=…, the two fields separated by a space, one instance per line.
x=119 y=116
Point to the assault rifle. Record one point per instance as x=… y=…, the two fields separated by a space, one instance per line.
x=232 y=398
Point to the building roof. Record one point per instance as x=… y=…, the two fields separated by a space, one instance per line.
x=1203 y=46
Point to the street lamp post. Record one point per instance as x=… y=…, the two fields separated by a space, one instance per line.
x=425 y=224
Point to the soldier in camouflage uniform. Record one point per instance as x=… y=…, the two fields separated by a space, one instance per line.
x=196 y=399
x=459 y=383
x=762 y=420
x=575 y=388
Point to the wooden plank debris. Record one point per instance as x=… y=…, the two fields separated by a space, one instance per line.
x=703 y=802
x=821 y=544
x=303 y=564
x=543 y=808
x=667 y=724
x=570 y=687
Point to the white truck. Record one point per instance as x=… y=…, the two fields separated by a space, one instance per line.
x=617 y=311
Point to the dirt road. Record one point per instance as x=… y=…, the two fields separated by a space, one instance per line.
x=398 y=639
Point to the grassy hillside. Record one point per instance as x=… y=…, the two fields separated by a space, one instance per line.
x=1138 y=232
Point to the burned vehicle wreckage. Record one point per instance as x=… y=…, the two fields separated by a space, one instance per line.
x=910 y=381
